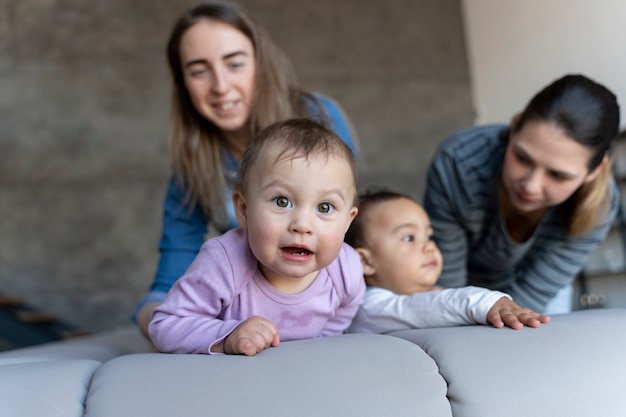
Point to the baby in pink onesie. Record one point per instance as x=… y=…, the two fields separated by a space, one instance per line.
x=285 y=274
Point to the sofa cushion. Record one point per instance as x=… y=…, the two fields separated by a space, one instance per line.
x=100 y=347
x=351 y=375
x=573 y=366
x=45 y=388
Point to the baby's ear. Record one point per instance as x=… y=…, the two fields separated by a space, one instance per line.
x=351 y=216
x=366 y=261
x=241 y=208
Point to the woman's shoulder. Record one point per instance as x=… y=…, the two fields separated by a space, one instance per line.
x=319 y=105
x=472 y=140
x=327 y=109
x=315 y=98
x=478 y=150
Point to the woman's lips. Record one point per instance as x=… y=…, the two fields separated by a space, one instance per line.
x=524 y=198
x=225 y=107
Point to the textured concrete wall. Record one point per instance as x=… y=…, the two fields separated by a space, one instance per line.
x=84 y=100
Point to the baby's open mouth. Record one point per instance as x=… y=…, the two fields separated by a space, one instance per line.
x=297 y=251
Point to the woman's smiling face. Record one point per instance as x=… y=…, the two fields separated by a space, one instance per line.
x=218 y=64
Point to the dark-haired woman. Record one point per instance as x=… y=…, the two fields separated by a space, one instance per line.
x=520 y=207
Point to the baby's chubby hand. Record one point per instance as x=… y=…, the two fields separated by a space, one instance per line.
x=506 y=312
x=251 y=337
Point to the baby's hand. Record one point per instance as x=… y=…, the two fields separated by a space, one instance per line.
x=251 y=337
x=507 y=312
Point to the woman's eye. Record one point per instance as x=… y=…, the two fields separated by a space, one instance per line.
x=558 y=176
x=197 y=72
x=282 y=202
x=325 y=208
x=235 y=65
x=522 y=158
x=408 y=238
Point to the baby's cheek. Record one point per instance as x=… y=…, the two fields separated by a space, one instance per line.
x=332 y=244
x=440 y=267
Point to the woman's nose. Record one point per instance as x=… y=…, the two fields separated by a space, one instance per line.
x=220 y=83
x=532 y=182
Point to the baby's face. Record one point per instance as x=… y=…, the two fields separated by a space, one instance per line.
x=297 y=212
x=404 y=256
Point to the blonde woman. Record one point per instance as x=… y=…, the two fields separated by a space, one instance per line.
x=229 y=82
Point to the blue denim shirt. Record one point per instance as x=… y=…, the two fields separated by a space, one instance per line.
x=185 y=227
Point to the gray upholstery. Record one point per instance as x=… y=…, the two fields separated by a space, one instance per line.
x=99 y=347
x=45 y=388
x=574 y=367
x=353 y=375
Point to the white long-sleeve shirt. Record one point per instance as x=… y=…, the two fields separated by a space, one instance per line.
x=384 y=311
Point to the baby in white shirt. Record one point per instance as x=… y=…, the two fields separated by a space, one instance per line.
x=402 y=263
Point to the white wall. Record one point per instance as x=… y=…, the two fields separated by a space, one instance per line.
x=516 y=47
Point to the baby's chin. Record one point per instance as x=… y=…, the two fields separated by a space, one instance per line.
x=428 y=284
x=422 y=286
x=429 y=276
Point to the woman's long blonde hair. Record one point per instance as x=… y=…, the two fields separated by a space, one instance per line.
x=588 y=112
x=194 y=143
x=589 y=202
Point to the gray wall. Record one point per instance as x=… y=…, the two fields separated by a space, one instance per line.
x=84 y=101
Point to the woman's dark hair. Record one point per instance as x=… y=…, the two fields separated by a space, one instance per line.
x=588 y=113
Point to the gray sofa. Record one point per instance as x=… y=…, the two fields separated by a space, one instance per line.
x=574 y=366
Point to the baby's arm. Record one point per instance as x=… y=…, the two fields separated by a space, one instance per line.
x=383 y=311
x=191 y=319
x=186 y=323
x=506 y=312
x=249 y=338
x=182 y=327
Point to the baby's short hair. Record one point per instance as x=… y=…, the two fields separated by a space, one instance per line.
x=355 y=236
x=295 y=138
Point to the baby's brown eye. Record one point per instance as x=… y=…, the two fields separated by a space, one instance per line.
x=325 y=208
x=282 y=202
